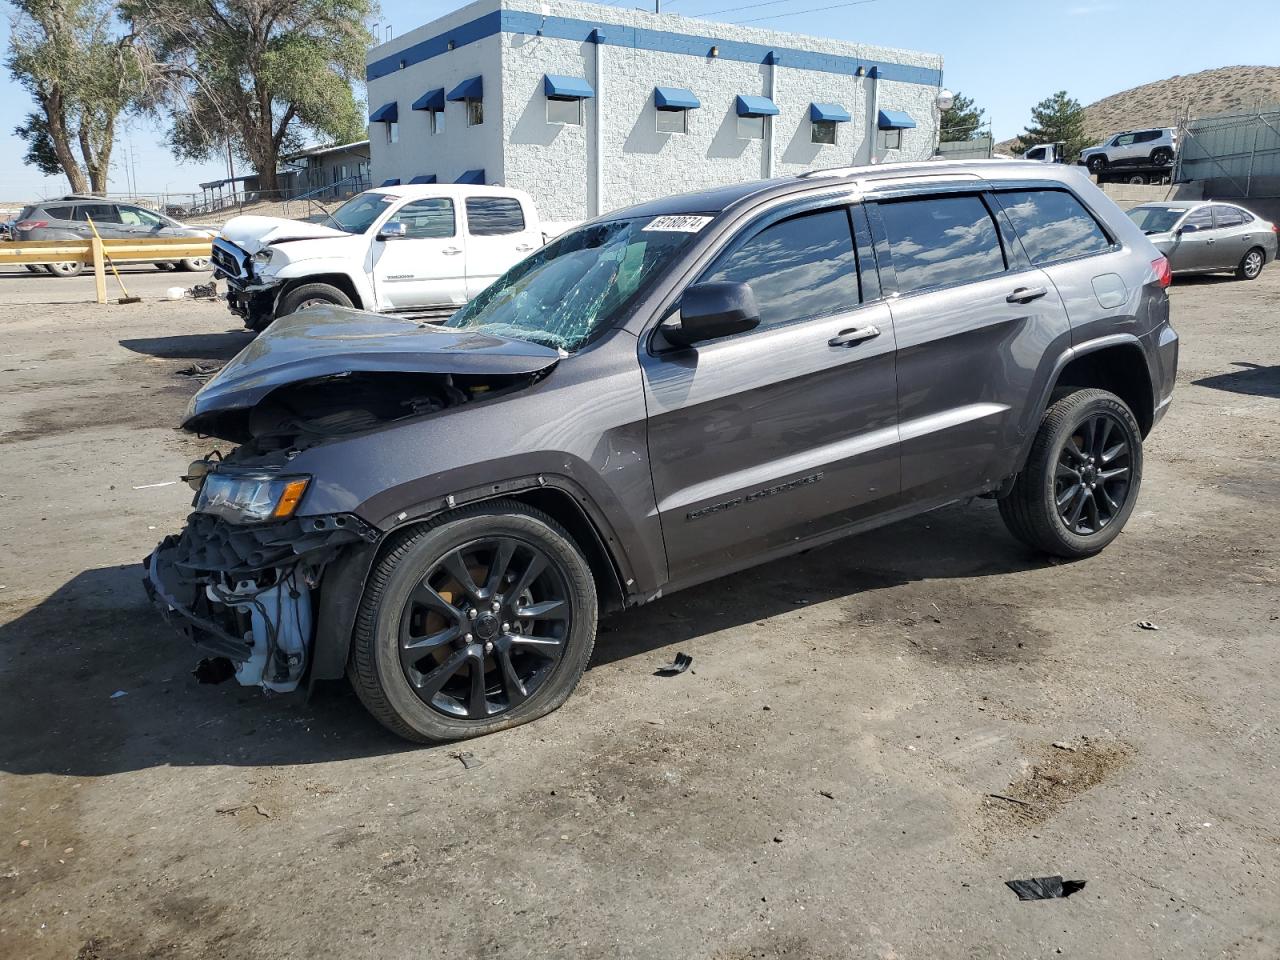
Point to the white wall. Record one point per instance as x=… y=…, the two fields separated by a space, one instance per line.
x=555 y=163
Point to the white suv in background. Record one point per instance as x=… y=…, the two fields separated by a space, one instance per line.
x=1153 y=147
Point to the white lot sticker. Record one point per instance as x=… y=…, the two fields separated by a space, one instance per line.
x=685 y=224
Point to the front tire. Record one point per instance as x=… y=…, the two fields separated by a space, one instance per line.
x=1082 y=478
x=194 y=264
x=482 y=620
x=1096 y=164
x=1251 y=264
x=310 y=295
x=70 y=268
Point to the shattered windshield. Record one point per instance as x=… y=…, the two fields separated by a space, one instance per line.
x=575 y=287
x=358 y=213
x=1155 y=219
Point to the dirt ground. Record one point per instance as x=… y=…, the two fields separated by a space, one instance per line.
x=864 y=750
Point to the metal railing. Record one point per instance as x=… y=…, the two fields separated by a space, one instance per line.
x=97 y=251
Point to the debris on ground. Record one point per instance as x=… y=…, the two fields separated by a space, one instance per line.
x=680 y=664
x=1045 y=888
x=1063 y=745
x=204 y=291
x=200 y=370
x=827 y=793
x=118 y=694
x=1006 y=799
x=231 y=809
x=467 y=759
x=1147 y=625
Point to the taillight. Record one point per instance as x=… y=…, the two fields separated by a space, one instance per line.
x=30 y=224
x=1275 y=228
x=1164 y=276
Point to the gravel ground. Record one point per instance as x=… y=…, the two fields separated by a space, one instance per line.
x=830 y=780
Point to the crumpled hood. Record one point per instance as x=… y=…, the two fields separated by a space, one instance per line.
x=328 y=341
x=251 y=233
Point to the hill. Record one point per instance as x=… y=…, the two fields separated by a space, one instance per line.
x=1159 y=104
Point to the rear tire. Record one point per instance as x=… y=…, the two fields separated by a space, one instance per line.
x=194 y=264
x=1162 y=156
x=1087 y=437
x=400 y=632
x=310 y=295
x=71 y=268
x=1251 y=264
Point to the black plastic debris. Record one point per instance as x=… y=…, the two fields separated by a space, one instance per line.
x=1147 y=625
x=200 y=370
x=1044 y=888
x=214 y=670
x=680 y=664
x=467 y=759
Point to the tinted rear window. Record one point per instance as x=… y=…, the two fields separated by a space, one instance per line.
x=1229 y=216
x=1053 y=225
x=941 y=240
x=798 y=268
x=493 y=216
x=59 y=212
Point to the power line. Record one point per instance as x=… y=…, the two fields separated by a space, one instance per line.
x=799 y=13
x=752 y=6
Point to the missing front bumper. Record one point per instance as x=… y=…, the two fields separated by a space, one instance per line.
x=247 y=593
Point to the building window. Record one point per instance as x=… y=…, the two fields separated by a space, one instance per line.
x=672 y=121
x=751 y=128
x=475 y=112
x=564 y=111
x=825 y=131
x=437 y=121
x=393 y=132
x=890 y=139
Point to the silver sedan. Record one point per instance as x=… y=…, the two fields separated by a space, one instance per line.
x=1203 y=237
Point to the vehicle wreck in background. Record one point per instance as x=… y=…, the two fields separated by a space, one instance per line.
x=658 y=398
x=419 y=249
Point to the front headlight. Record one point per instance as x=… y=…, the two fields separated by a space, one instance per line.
x=262 y=258
x=250 y=498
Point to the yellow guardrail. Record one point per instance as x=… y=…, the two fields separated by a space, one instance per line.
x=97 y=251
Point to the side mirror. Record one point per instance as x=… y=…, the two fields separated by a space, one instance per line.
x=393 y=230
x=1189 y=228
x=709 y=311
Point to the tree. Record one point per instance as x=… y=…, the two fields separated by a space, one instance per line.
x=963 y=121
x=1057 y=119
x=256 y=74
x=71 y=57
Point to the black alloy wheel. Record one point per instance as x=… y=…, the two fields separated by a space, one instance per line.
x=484 y=628
x=1081 y=478
x=1091 y=483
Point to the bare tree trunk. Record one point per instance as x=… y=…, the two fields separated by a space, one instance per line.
x=98 y=162
x=61 y=137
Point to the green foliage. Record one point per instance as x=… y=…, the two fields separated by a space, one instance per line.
x=261 y=76
x=41 y=152
x=963 y=121
x=1057 y=119
x=79 y=68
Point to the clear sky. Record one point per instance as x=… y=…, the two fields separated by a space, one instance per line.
x=1006 y=54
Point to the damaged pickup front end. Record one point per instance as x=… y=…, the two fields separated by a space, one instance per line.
x=245 y=580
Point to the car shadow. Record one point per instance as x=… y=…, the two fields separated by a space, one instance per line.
x=192 y=346
x=1253 y=379
x=92 y=682
x=1204 y=279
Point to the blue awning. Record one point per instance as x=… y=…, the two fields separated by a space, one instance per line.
x=472 y=89
x=472 y=176
x=675 y=98
x=895 y=120
x=424 y=178
x=557 y=87
x=756 y=106
x=387 y=113
x=831 y=112
x=431 y=100
x=393 y=182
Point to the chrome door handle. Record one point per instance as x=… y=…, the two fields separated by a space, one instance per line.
x=1211 y=240
x=853 y=336
x=450 y=251
x=1027 y=294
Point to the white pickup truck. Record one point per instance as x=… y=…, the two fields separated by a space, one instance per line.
x=423 y=248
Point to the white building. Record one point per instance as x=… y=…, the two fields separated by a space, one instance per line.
x=590 y=108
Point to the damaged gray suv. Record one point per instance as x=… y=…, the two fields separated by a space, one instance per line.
x=665 y=395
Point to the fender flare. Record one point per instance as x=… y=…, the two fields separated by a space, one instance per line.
x=1075 y=352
